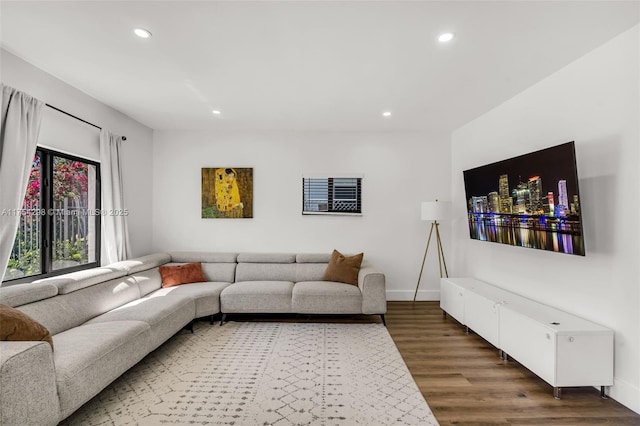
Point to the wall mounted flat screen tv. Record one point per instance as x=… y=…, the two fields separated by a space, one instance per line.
x=529 y=201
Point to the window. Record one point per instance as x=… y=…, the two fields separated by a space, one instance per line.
x=59 y=228
x=332 y=195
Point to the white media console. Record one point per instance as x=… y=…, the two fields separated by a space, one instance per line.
x=561 y=348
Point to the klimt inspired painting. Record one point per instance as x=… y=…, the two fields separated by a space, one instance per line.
x=227 y=192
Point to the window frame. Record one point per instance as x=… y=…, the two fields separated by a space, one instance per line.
x=46 y=236
x=331 y=194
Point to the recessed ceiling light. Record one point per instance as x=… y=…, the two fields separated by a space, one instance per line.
x=387 y=113
x=215 y=112
x=142 y=33
x=445 y=37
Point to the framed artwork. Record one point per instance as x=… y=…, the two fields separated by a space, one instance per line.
x=227 y=193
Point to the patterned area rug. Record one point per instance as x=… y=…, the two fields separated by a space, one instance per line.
x=261 y=373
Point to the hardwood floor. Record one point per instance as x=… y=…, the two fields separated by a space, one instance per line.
x=465 y=383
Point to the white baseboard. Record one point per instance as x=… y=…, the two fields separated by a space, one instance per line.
x=402 y=295
x=626 y=394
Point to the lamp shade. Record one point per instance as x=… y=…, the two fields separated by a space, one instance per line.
x=435 y=210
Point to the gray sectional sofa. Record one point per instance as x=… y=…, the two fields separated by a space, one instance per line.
x=105 y=320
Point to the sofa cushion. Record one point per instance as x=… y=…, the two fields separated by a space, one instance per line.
x=326 y=297
x=65 y=311
x=21 y=294
x=257 y=296
x=165 y=315
x=69 y=283
x=343 y=268
x=219 y=272
x=311 y=266
x=313 y=257
x=203 y=257
x=138 y=264
x=18 y=326
x=266 y=272
x=205 y=295
x=182 y=274
x=310 y=271
x=148 y=281
x=89 y=357
x=266 y=258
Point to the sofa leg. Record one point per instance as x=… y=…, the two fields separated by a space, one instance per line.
x=383 y=320
x=190 y=327
x=211 y=319
x=224 y=317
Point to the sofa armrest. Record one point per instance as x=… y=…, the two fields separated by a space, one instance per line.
x=29 y=394
x=371 y=282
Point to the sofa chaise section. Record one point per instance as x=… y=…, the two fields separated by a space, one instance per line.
x=89 y=357
x=101 y=326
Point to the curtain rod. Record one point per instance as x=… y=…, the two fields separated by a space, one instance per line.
x=124 y=138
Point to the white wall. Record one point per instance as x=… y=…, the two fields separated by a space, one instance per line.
x=593 y=101
x=62 y=133
x=399 y=171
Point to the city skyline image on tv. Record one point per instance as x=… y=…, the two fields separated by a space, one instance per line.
x=529 y=201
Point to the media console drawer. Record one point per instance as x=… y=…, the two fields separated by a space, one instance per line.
x=562 y=349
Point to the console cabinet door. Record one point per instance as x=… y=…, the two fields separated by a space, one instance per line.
x=452 y=299
x=529 y=342
x=585 y=359
x=482 y=316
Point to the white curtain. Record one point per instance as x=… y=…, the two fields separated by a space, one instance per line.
x=19 y=129
x=115 y=235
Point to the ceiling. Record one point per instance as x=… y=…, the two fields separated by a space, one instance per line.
x=305 y=65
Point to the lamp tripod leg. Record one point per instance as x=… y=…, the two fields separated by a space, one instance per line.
x=441 y=253
x=438 y=248
x=423 y=260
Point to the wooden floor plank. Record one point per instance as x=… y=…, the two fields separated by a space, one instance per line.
x=465 y=382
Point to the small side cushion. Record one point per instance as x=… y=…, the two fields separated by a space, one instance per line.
x=182 y=274
x=343 y=268
x=18 y=326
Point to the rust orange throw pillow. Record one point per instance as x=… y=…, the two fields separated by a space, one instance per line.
x=18 y=326
x=343 y=269
x=182 y=274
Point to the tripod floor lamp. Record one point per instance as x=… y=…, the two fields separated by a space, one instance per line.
x=434 y=211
